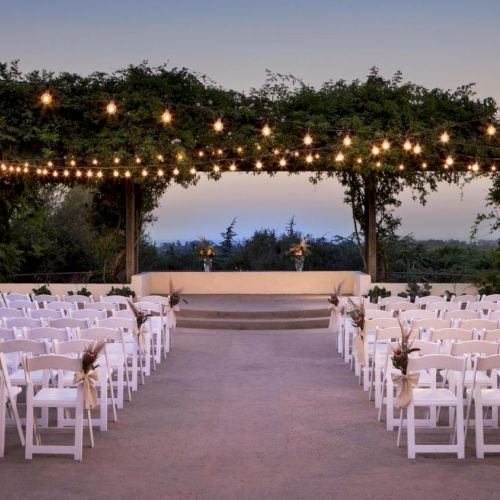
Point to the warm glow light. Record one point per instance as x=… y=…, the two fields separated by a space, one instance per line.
x=424 y=165
x=359 y=160
x=216 y=168
x=72 y=163
x=160 y=173
x=116 y=160
x=138 y=160
x=283 y=162
x=417 y=149
x=258 y=164
x=309 y=158
x=66 y=173
x=166 y=117
x=449 y=161
x=378 y=164
x=201 y=154
x=94 y=161
x=239 y=150
x=407 y=145
x=445 y=138
x=386 y=145
x=111 y=108
x=308 y=140
x=375 y=150
x=160 y=158
x=218 y=125
x=475 y=167
x=3 y=167
x=339 y=157
x=493 y=168
x=266 y=130
x=89 y=173
x=18 y=169
x=50 y=164
x=220 y=152
x=44 y=171
x=296 y=154
x=78 y=173
x=232 y=167
x=127 y=173
x=491 y=130
x=46 y=98
x=26 y=170
x=316 y=156
x=175 y=171
x=38 y=170
x=347 y=141
x=99 y=174
x=192 y=171
x=54 y=173
x=115 y=173
x=144 y=173
x=276 y=151
x=401 y=167
x=180 y=156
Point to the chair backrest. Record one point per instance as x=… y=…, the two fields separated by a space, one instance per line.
x=488 y=363
x=390 y=333
x=444 y=306
x=429 y=299
x=16 y=296
x=482 y=305
x=464 y=299
x=61 y=306
x=124 y=313
x=160 y=299
x=432 y=323
x=417 y=314
x=149 y=307
x=425 y=347
x=474 y=347
x=46 y=333
x=383 y=301
x=492 y=335
x=51 y=362
x=495 y=315
x=453 y=334
x=436 y=361
x=22 y=323
x=377 y=313
x=100 y=333
x=44 y=298
x=373 y=324
x=22 y=304
x=478 y=324
x=71 y=346
x=369 y=306
x=401 y=306
x=10 y=312
x=116 y=299
x=115 y=322
x=78 y=299
x=494 y=297
x=101 y=306
x=89 y=314
x=72 y=323
x=7 y=334
x=23 y=345
x=461 y=314
x=45 y=314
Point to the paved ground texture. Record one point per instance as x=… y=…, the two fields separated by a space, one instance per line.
x=248 y=415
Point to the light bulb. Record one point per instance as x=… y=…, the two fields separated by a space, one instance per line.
x=78 y=173
x=144 y=173
x=307 y=140
x=166 y=117
x=232 y=167
x=375 y=150
x=54 y=173
x=66 y=173
x=90 y=173
x=94 y=161
x=309 y=158
x=266 y=130
x=239 y=150
x=175 y=171
x=359 y=161
x=116 y=160
x=115 y=173
x=160 y=173
x=218 y=125
x=216 y=168
x=445 y=138
x=138 y=160
x=99 y=174
x=424 y=165
x=347 y=141
x=201 y=154
x=50 y=164
x=127 y=173
x=493 y=168
x=491 y=130
x=339 y=157
x=386 y=145
x=417 y=149
x=160 y=158
x=475 y=167
x=401 y=167
x=407 y=145
x=111 y=108
x=283 y=162
x=258 y=164
x=72 y=163
x=192 y=171
x=46 y=98
x=449 y=161
x=180 y=156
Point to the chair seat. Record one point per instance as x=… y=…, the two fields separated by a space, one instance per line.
x=491 y=396
x=15 y=392
x=50 y=395
x=424 y=396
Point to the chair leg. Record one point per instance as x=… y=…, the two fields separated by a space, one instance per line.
x=400 y=428
x=18 y=422
x=410 y=430
x=2 y=424
x=127 y=378
x=28 y=451
x=478 y=414
x=460 y=431
x=91 y=429
x=79 y=430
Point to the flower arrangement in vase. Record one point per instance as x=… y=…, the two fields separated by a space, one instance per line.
x=298 y=253
x=206 y=253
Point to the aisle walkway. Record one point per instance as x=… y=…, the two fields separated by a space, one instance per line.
x=245 y=415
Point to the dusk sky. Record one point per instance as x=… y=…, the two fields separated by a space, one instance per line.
x=436 y=44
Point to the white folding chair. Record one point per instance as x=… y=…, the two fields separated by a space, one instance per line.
x=53 y=397
x=157 y=327
x=495 y=316
x=102 y=306
x=24 y=305
x=117 y=300
x=45 y=315
x=479 y=325
x=7 y=334
x=19 y=323
x=442 y=307
x=494 y=297
x=70 y=324
x=385 y=301
x=10 y=312
x=422 y=302
x=416 y=314
x=485 y=307
x=446 y=336
x=378 y=313
x=44 y=299
x=168 y=321
x=88 y=314
x=398 y=307
x=78 y=299
x=15 y=296
x=64 y=307
x=437 y=396
x=423 y=326
x=464 y=299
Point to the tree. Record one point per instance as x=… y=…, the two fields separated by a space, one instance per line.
x=227 y=245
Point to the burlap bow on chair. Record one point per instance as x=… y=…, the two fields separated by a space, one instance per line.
x=335 y=318
x=359 y=345
x=141 y=337
x=404 y=387
x=89 y=389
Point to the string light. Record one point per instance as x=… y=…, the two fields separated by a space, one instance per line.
x=407 y=145
x=138 y=161
x=239 y=150
x=94 y=161
x=449 y=161
x=218 y=125
x=378 y=164
x=491 y=130
x=46 y=98
x=192 y=171
x=66 y=173
x=309 y=159
x=116 y=173
x=445 y=138
x=359 y=160
x=90 y=173
x=216 y=168
x=55 y=173
x=475 y=167
x=493 y=168
x=99 y=174
x=282 y=162
x=160 y=158
x=127 y=174
x=111 y=108
x=386 y=145
x=401 y=167
x=232 y=167
x=116 y=160
x=417 y=149
x=26 y=170
x=78 y=173
x=175 y=171
x=180 y=157
x=144 y=173
x=307 y=140
x=339 y=157
x=160 y=173
x=266 y=130
x=424 y=165
x=258 y=164
x=72 y=163
x=166 y=117
x=201 y=154
x=375 y=150
x=220 y=152
x=347 y=141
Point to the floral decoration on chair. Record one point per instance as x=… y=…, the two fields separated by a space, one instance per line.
x=142 y=326
x=89 y=374
x=357 y=314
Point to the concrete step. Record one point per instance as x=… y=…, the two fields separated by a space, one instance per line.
x=254 y=315
x=225 y=323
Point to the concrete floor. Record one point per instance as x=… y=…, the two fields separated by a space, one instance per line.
x=248 y=415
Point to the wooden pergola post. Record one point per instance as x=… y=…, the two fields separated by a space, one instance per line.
x=371 y=225
x=131 y=257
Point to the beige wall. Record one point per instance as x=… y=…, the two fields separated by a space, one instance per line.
x=437 y=288
x=96 y=289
